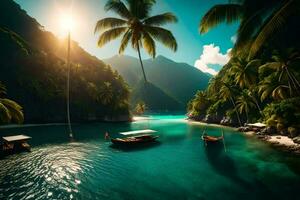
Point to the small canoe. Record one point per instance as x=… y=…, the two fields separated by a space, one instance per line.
x=135 y=140
x=212 y=139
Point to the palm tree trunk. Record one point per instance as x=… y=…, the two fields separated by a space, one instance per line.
x=139 y=52
x=247 y=116
x=237 y=114
x=68 y=87
x=291 y=78
x=257 y=105
x=294 y=80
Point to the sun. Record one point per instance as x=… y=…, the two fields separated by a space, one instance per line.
x=67 y=22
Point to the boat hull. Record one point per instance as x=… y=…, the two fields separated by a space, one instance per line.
x=127 y=142
x=212 y=140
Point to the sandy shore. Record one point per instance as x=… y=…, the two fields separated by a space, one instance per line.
x=281 y=140
x=284 y=143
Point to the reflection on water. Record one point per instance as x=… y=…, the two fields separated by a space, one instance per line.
x=179 y=166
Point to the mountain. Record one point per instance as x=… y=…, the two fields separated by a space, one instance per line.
x=33 y=67
x=155 y=98
x=179 y=80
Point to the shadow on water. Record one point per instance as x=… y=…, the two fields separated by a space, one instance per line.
x=225 y=166
x=136 y=147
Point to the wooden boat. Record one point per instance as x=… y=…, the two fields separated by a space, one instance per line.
x=142 y=139
x=135 y=140
x=15 y=144
x=212 y=139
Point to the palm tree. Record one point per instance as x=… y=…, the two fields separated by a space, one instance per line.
x=246 y=75
x=200 y=101
x=214 y=85
x=136 y=26
x=140 y=108
x=227 y=92
x=106 y=93
x=244 y=103
x=270 y=86
x=285 y=64
x=10 y=111
x=259 y=20
x=245 y=72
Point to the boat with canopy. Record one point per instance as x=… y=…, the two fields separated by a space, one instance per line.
x=15 y=144
x=136 y=137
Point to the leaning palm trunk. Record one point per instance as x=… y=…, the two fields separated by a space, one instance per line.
x=140 y=58
x=237 y=114
x=257 y=105
x=247 y=116
x=293 y=79
x=68 y=87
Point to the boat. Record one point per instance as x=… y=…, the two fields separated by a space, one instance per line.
x=15 y=144
x=146 y=137
x=212 y=139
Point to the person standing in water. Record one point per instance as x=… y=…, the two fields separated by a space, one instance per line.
x=106 y=137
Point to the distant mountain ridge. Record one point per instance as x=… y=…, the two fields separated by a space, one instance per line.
x=155 y=98
x=179 y=80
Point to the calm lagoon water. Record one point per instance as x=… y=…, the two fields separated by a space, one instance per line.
x=178 y=167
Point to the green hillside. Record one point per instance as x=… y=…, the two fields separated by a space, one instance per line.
x=154 y=98
x=34 y=70
x=179 y=80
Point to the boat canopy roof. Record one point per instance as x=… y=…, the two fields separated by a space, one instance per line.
x=138 y=132
x=16 y=138
x=258 y=125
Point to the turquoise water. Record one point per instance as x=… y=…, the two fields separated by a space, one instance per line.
x=178 y=167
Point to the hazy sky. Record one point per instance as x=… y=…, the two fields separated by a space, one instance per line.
x=207 y=52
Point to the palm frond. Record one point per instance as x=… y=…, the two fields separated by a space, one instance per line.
x=124 y=41
x=118 y=7
x=228 y=13
x=247 y=29
x=140 y=8
x=273 y=24
x=135 y=39
x=162 y=35
x=269 y=66
x=14 y=109
x=149 y=44
x=5 y=116
x=110 y=35
x=2 y=90
x=108 y=23
x=162 y=19
x=255 y=63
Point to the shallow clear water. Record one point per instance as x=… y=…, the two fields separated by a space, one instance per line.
x=179 y=167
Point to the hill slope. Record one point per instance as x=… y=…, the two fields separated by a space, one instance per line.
x=179 y=80
x=32 y=66
x=154 y=98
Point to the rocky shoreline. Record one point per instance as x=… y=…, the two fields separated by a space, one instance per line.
x=283 y=143
x=268 y=135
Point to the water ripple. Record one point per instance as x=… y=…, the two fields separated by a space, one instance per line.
x=48 y=170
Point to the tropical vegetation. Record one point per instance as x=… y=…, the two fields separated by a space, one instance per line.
x=261 y=80
x=136 y=26
x=10 y=111
x=33 y=68
x=140 y=108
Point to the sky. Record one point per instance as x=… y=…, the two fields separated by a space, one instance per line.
x=208 y=52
